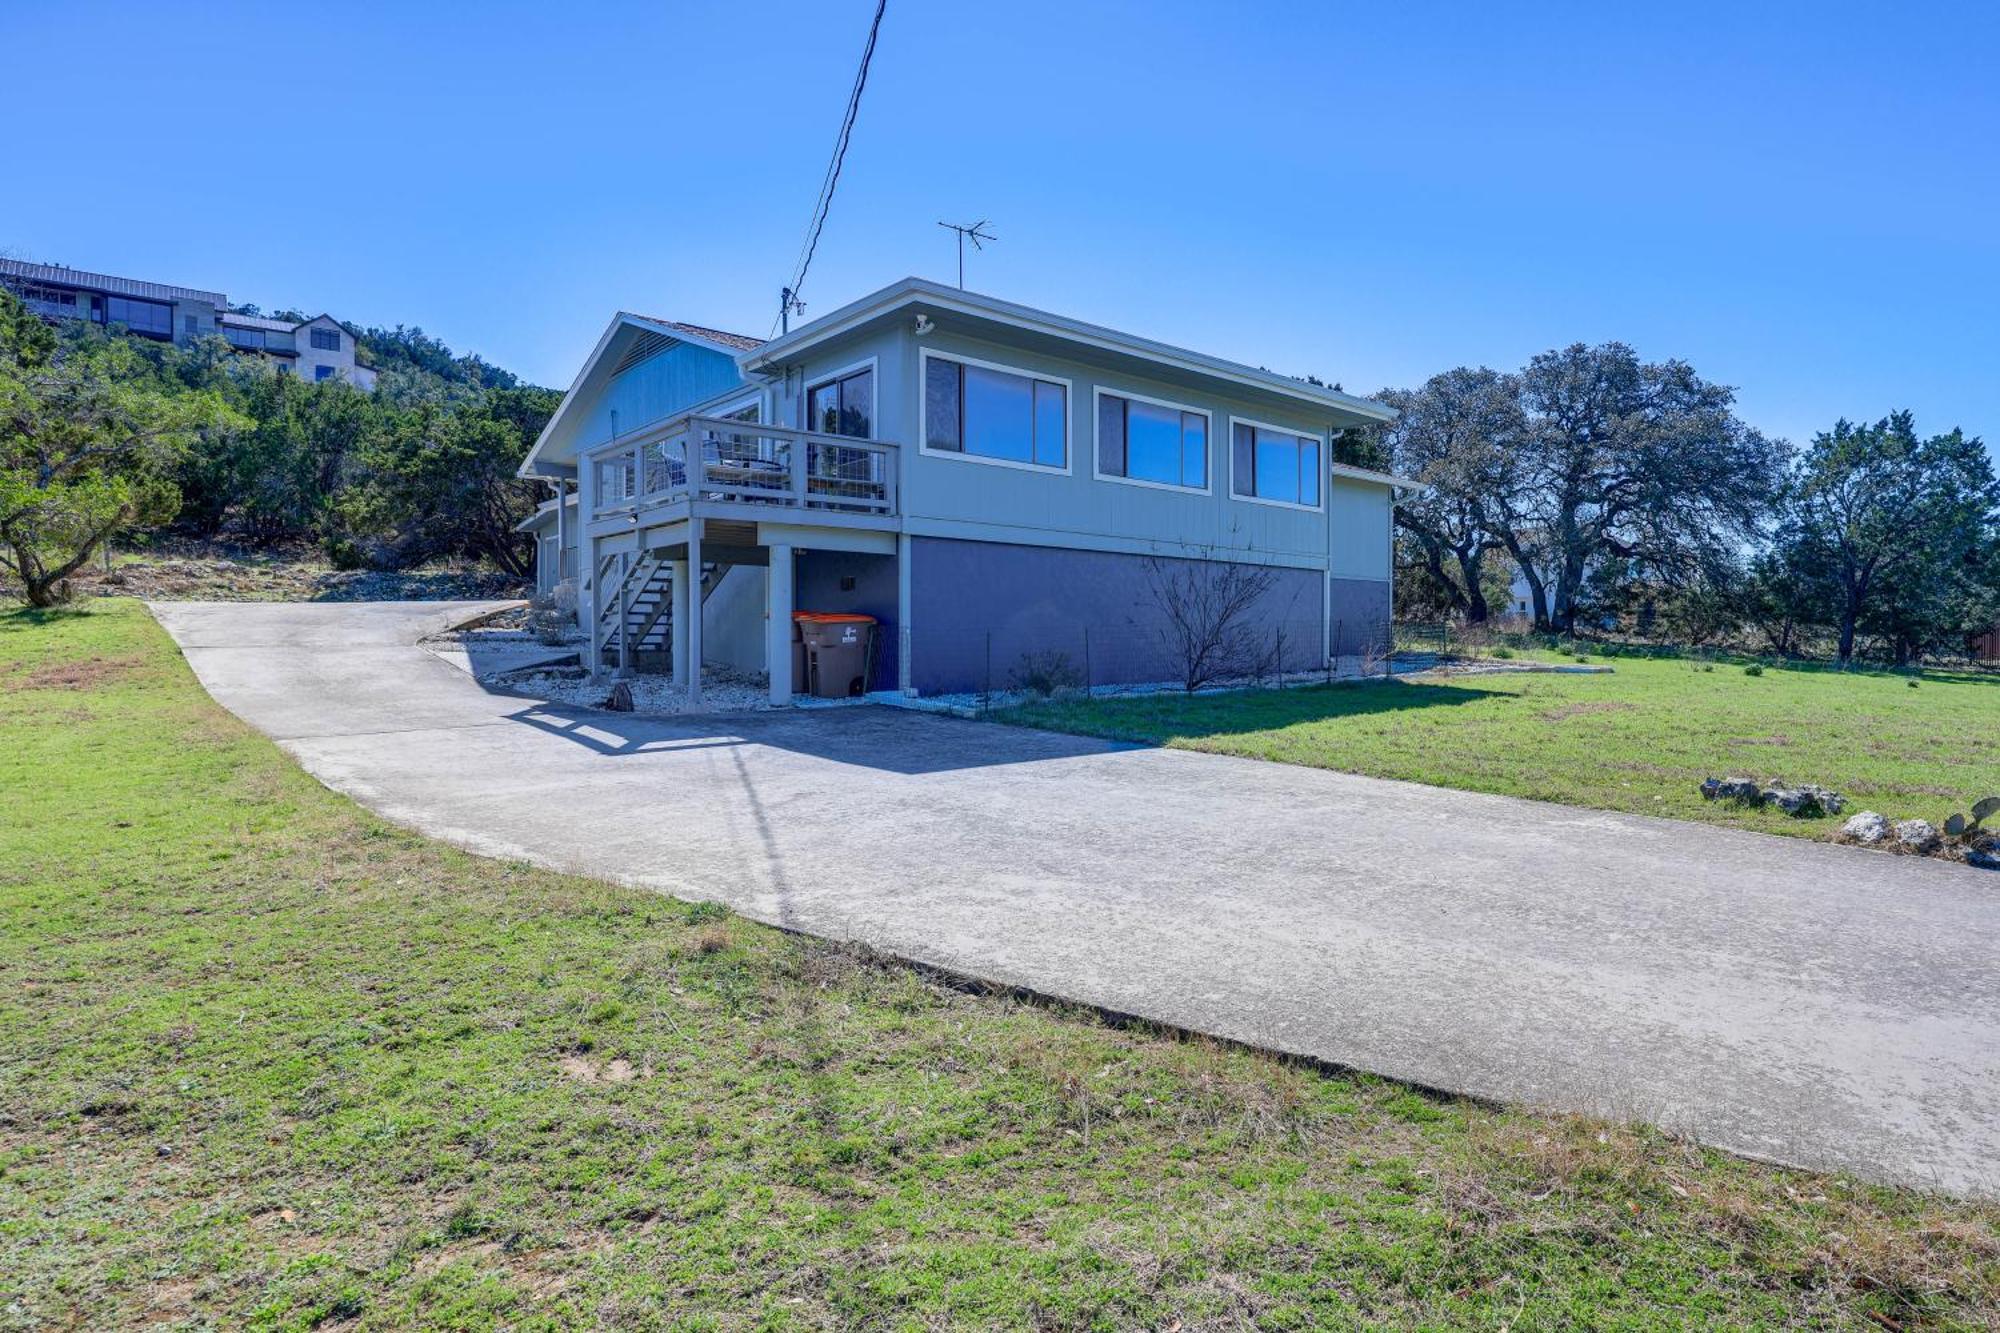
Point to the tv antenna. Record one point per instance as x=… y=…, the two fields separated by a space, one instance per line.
x=977 y=234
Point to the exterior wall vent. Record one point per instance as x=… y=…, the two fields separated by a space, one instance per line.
x=646 y=344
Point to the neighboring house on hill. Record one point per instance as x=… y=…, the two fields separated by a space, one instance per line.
x=314 y=349
x=991 y=482
x=317 y=348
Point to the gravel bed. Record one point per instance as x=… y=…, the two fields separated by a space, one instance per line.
x=722 y=690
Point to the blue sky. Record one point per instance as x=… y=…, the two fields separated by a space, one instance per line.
x=1802 y=200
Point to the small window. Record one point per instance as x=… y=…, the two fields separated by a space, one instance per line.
x=843 y=406
x=322 y=373
x=1152 y=442
x=998 y=414
x=1270 y=464
x=326 y=340
x=190 y=325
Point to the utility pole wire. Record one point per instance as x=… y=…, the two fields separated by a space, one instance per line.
x=788 y=300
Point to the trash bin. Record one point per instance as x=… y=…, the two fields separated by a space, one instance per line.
x=838 y=649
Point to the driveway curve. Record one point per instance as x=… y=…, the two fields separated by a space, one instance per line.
x=1790 y=1000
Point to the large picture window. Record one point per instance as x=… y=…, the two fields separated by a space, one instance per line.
x=1276 y=465
x=844 y=405
x=1163 y=444
x=989 y=412
x=140 y=316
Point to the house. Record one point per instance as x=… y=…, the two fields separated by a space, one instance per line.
x=317 y=349
x=994 y=484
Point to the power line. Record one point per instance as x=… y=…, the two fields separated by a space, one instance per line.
x=788 y=300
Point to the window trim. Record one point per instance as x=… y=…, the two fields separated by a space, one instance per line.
x=1325 y=472
x=821 y=381
x=924 y=359
x=1097 y=471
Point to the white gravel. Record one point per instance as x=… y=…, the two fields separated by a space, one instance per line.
x=722 y=690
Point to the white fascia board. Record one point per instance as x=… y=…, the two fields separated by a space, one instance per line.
x=1353 y=473
x=911 y=291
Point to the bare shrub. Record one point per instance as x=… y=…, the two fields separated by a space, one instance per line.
x=1206 y=607
x=1047 y=673
x=552 y=615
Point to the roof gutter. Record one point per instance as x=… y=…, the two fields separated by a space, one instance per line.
x=912 y=291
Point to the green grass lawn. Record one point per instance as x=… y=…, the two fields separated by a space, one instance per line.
x=268 y=1062
x=1640 y=739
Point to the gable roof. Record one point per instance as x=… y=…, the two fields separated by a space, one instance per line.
x=922 y=292
x=730 y=345
x=737 y=342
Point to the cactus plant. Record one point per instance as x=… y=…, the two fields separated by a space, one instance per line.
x=1963 y=826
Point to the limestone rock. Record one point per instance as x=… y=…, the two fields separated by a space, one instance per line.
x=1867 y=828
x=1919 y=835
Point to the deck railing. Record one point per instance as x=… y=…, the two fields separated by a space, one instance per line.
x=717 y=458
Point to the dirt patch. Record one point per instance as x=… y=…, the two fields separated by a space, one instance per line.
x=583 y=1070
x=84 y=675
x=1583 y=708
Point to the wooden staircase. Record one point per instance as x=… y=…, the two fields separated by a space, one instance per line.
x=648 y=624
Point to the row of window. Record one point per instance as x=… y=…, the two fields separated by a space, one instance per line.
x=986 y=411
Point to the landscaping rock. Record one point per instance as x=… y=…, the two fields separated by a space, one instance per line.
x=1806 y=801
x=1867 y=828
x=621 y=698
x=1919 y=835
x=1732 y=789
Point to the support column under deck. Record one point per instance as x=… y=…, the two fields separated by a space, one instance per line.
x=677 y=627
x=778 y=624
x=626 y=652
x=589 y=602
x=692 y=680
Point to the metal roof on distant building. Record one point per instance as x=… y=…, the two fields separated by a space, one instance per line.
x=742 y=342
x=104 y=282
x=255 y=322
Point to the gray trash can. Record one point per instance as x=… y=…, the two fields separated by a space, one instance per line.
x=838 y=649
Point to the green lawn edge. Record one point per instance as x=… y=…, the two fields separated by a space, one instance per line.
x=1638 y=739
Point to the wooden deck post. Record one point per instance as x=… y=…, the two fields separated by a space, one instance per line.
x=778 y=624
x=692 y=625
x=678 y=590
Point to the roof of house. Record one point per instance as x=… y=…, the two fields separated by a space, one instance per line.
x=742 y=342
x=104 y=282
x=254 y=322
x=936 y=296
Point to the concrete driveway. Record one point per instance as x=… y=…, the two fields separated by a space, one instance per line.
x=1792 y=1000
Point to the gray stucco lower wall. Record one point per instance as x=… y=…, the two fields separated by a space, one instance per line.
x=980 y=610
x=1360 y=609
